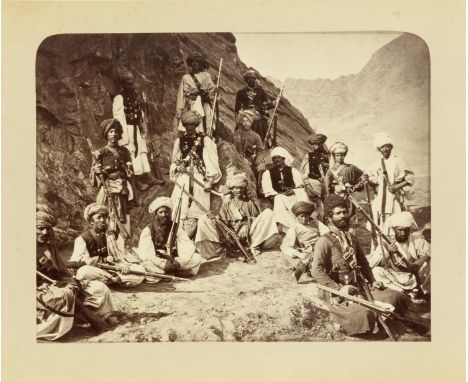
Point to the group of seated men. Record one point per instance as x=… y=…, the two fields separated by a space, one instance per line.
x=311 y=208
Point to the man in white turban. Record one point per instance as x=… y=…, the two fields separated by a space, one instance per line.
x=392 y=177
x=242 y=215
x=181 y=257
x=195 y=166
x=284 y=185
x=100 y=245
x=415 y=250
x=348 y=174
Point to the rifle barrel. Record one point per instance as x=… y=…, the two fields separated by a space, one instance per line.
x=141 y=273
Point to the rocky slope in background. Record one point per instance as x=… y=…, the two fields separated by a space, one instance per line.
x=391 y=93
x=76 y=77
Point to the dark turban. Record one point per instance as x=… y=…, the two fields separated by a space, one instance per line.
x=196 y=57
x=191 y=117
x=125 y=75
x=250 y=74
x=332 y=201
x=317 y=138
x=302 y=208
x=108 y=124
x=45 y=217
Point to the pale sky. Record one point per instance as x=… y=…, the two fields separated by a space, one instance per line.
x=309 y=56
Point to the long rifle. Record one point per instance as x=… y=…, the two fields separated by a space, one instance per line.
x=374 y=235
x=174 y=228
x=210 y=130
x=195 y=180
x=383 y=311
x=123 y=230
x=246 y=253
x=109 y=267
x=396 y=257
x=273 y=115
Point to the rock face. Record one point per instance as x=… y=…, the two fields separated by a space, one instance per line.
x=391 y=93
x=76 y=79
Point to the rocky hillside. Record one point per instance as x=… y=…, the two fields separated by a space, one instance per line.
x=76 y=77
x=391 y=93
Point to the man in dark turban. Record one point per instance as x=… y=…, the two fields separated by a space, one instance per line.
x=313 y=169
x=127 y=108
x=253 y=97
x=114 y=163
x=300 y=239
x=338 y=263
x=196 y=91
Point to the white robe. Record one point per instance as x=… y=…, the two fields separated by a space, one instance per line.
x=187 y=257
x=184 y=103
x=300 y=240
x=117 y=251
x=213 y=172
x=282 y=203
x=140 y=162
x=397 y=170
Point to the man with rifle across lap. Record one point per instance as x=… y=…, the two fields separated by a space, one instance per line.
x=242 y=215
x=60 y=297
x=340 y=264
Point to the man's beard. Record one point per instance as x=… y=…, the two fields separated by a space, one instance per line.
x=342 y=224
x=164 y=221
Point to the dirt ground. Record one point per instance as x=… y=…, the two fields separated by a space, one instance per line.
x=230 y=300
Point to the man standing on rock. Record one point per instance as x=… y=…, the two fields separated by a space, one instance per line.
x=195 y=166
x=249 y=144
x=339 y=263
x=113 y=165
x=284 y=185
x=254 y=98
x=242 y=215
x=57 y=291
x=313 y=169
x=127 y=108
x=392 y=177
x=99 y=245
x=153 y=246
x=195 y=93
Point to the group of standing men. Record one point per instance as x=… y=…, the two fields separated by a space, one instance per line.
x=311 y=208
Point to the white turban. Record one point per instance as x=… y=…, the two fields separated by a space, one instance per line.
x=162 y=201
x=237 y=180
x=338 y=147
x=280 y=152
x=402 y=219
x=93 y=209
x=382 y=139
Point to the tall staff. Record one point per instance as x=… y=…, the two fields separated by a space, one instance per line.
x=273 y=115
x=209 y=133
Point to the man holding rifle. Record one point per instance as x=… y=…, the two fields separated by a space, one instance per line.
x=163 y=246
x=392 y=177
x=242 y=215
x=254 y=98
x=99 y=246
x=340 y=264
x=59 y=296
x=113 y=166
x=194 y=166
